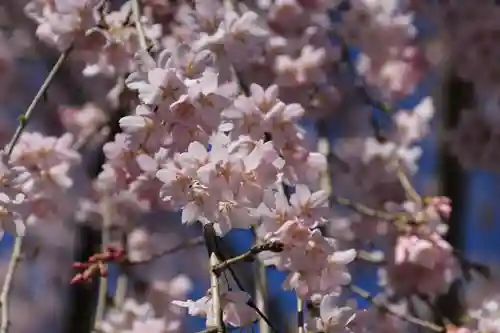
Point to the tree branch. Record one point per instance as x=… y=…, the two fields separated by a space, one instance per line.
x=385 y=307
x=365 y=210
x=248 y=255
x=4 y=296
x=260 y=276
x=26 y=116
x=189 y=244
x=210 y=238
x=103 y=281
x=214 y=244
x=136 y=11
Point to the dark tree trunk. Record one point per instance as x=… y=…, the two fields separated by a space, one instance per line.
x=457 y=96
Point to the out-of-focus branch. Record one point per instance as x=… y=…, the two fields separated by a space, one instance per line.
x=103 y=281
x=4 y=296
x=189 y=244
x=410 y=191
x=248 y=255
x=385 y=307
x=367 y=211
x=26 y=116
x=136 y=12
x=123 y=276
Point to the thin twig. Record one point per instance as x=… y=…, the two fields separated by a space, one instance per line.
x=300 y=315
x=189 y=244
x=385 y=307
x=26 y=116
x=411 y=193
x=136 y=11
x=324 y=149
x=260 y=275
x=122 y=283
x=83 y=141
x=365 y=210
x=103 y=281
x=4 y=296
x=248 y=255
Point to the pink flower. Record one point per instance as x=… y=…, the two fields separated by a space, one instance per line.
x=423 y=263
x=241 y=36
x=442 y=205
x=310 y=207
x=235 y=309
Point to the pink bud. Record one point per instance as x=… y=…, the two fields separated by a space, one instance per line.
x=442 y=205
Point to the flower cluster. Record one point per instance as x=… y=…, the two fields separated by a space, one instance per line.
x=234 y=304
x=154 y=315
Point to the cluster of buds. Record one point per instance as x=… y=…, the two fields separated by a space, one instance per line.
x=96 y=265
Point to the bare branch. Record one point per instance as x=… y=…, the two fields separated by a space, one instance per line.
x=4 y=296
x=136 y=12
x=122 y=283
x=103 y=281
x=248 y=255
x=26 y=116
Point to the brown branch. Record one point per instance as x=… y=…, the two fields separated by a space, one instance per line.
x=249 y=255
